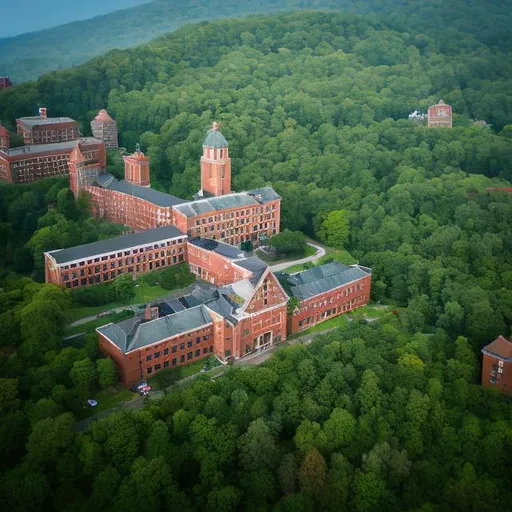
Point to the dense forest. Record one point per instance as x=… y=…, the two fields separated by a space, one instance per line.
x=27 y=56
x=384 y=416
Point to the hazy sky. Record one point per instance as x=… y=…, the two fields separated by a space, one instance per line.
x=19 y=16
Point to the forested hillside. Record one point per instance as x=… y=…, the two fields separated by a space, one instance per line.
x=388 y=416
x=27 y=56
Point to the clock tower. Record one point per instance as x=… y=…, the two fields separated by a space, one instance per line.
x=215 y=164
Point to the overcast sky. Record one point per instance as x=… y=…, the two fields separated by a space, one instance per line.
x=19 y=16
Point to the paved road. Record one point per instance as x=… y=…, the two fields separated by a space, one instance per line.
x=320 y=251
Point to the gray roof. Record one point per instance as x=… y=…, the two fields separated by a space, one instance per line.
x=38 y=120
x=146 y=193
x=32 y=149
x=215 y=139
x=253 y=264
x=307 y=284
x=115 y=244
x=239 y=199
x=148 y=333
x=229 y=251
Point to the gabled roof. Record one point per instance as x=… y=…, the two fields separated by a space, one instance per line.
x=148 y=194
x=118 y=243
x=324 y=278
x=103 y=116
x=139 y=335
x=500 y=347
x=237 y=199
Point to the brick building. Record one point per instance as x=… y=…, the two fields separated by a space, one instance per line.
x=46 y=130
x=325 y=292
x=228 y=321
x=5 y=137
x=233 y=217
x=497 y=365
x=104 y=260
x=440 y=115
x=105 y=128
x=5 y=82
x=34 y=162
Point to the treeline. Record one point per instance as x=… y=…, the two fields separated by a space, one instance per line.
x=373 y=418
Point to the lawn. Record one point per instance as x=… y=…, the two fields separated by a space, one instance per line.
x=308 y=251
x=143 y=293
x=107 y=399
x=332 y=254
x=98 y=322
x=338 y=321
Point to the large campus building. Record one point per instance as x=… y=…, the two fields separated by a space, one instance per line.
x=234 y=217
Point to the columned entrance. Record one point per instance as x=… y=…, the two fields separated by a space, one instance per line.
x=264 y=341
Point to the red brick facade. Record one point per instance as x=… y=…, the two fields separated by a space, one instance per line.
x=42 y=130
x=331 y=304
x=215 y=164
x=440 y=115
x=104 y=128
x=136 y=169
x=497 y=365
x=4 y=138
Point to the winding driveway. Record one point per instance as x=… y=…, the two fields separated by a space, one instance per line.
x=320 y=251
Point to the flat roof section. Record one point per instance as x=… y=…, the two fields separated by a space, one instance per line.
x=115 y=244
x=35 y=149
x=38 y=121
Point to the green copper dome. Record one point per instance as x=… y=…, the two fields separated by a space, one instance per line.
x=215 y=139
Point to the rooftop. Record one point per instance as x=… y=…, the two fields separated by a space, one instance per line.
x=104 y=116
x=321 y=279
x=215 y=139
x=115 y=244
x=38 y=120
x=148 y=194
x=238 y=199
x=500 y=347
x=208 y=244
x=34 y=149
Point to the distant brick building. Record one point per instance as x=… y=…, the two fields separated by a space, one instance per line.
x=497 y=365
x=4 y=138
x=325 y=292
x=34 y=162
x=440 y=115
x=246 y=315
x=5 y=82
x=46 y=130
x=103 y=261
x=105 y=128
x=234 y=218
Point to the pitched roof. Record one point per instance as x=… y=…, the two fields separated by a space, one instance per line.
x=237 y=199
x=253 y=264
x=134 y=336
x=324 y=278
x=500 y=347
x=103 y=116
x=148 y=194
x=208 y=244
x=115 y=244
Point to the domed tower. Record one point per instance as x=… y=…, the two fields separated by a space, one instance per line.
x=440 y=115
x=215 y=164
x=105 y=128
x=4 y=138
x=136 y=168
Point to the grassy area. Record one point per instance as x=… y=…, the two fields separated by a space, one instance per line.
x=339 y=321
x=143 y=293
x=332 y=254
x=98 y=322
x=107 y=399
x=308 y=251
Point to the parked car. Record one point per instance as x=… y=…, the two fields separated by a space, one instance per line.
x=103 y=313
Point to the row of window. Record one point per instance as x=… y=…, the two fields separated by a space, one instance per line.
x=174 y=348
x=182 y=359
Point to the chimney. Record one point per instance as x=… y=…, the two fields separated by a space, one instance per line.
x=151 y=312
x=42 y=112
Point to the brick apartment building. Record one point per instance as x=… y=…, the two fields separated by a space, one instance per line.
x=218 y=213
x=104 y=128
x=228 y=321
x=325 y=292
x=46 y=130
x=30 y=163
x=103 y=261
x=497 y=365
x=440 y=115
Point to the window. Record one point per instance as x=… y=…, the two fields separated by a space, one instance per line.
x=205 y=350
x=174 y=349
x=246 y=332
x=149 y=357
x=166 y=364
x=174 y=361
x=206 y=338
x=198 y=353
x=157 y=354
x=190 y=355
x=166 y=351
x=157 y=367
x=182 y=359
x=198 y=340
x=182 y=346
x=149 y=370
x=189 y=343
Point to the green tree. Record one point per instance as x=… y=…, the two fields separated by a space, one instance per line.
x=335 y=229
x=107 y=372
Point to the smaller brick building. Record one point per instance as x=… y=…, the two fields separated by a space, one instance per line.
x=325 y=292
x=46 y=130
x=5 y=137
x=497 y=365
x=105 y=128
x=440 y=115
x=104 y=260
x=32 y=163
x=5 y=82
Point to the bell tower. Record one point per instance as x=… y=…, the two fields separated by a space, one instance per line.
x=215 y=164
x=136 y=168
